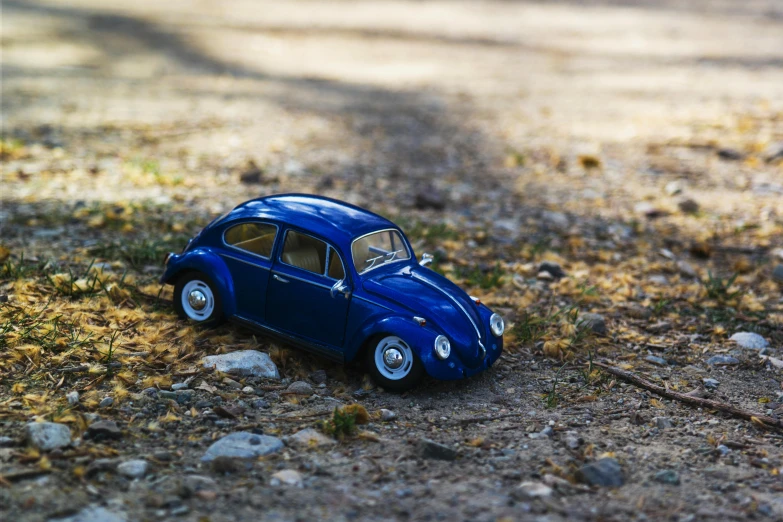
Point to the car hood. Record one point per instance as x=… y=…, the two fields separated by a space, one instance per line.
x=428 y=294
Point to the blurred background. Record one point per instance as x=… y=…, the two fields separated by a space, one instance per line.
x=508 y=118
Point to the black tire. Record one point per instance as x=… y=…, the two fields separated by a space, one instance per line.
x=212 y=315
x=415 y=369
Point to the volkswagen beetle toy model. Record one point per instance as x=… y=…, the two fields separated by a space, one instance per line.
x=337 y=280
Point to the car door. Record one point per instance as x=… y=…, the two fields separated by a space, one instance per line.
x=248 y=255
x=300 y=298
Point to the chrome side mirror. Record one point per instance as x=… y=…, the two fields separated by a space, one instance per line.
x=426 y=259
x=340 y=287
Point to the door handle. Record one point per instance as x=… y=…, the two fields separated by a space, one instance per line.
x=281 y=279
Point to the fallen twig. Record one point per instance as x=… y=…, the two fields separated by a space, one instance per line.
x=475 y=420
x=758 y=419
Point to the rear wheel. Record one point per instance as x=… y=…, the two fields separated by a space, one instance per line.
x=196 y=298
x=393 y=365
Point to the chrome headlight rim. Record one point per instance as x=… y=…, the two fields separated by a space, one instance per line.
x=442 y=347
x=497 y=325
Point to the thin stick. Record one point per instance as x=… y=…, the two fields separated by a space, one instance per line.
x=758 y=419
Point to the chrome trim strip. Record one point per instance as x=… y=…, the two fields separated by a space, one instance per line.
x=245 y=260
x=274 y=241
x=423 y=280
x=404 y=243
x=372 y=302
x=283 y=274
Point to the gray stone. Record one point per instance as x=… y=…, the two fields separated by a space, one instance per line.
x=777 y=273
x=249 y=390
x=573 y=441
x=667 y=476
x=663 y=423
x=72 y=398
x=547 y=432
x=604 y=472
x=686 y=269
x=722 y=360
x=556 y=220
x=654 y=359
x=168 y=395
x=102 y=465
x=150 y=392
x=231 y=383
x=7 y=442
x=288 y=477
x=595 y=322
x=300 y=388
x=243 y=445
x=429 y=449
x=309 y=438
x=106 y=402
x=749 y=340
x=47 y=436
x=133 y=468
x=711 y=383
x=244 y=363
x=318 y=377
x=180 y=386
x=530 y=490
x=659 y=280
x=688 y=206
x=553 y=269
x=92 y=514
x=387 y=415
x=723 y=450
x=103 y=430
x=192 y=484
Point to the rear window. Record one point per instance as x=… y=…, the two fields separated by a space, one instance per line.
x=256 y=238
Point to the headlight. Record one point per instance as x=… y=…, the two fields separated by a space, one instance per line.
x=442 y=347
x=497 y=325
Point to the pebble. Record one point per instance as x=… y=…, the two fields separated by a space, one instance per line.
x=288 y=477
x=429 y=198
x=192 y=484
x=429 y=449
x=103 y=430
x=654 y=359
x=309 y=438
x=723 y=450
x=7 y=442
x=260 y=404
x=231 y=383
x=150 y=392
x=179 y=386
x=133 y=468
x=573 y=441
x=711 y=383
x=101 y=465
x=165 y=394
x=106 y=402
x=244 y=363
x=673 y=188
x=722 y=360
x=556 y=220
x=553 y=269
x=667 y=476
x=243 y=445
x=47 y=436
x=686 y=269
x=659 y=280
x=663 y=423
x=534 y=490
x=72 y=398
x=548 y=432
x=387 y=415
x=300 y=388
x=92 y=514
x=249 y=390
x=318 y=376
x=604 y=472
x=595 y=322
x=688 y=206
x=749 y=340
x=730 y=154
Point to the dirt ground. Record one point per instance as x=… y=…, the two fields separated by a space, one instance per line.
x=637 y=144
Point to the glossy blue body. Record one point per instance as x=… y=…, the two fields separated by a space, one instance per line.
x=304 y=312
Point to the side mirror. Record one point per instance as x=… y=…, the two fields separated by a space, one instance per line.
x=426 y=259
x=340 y=287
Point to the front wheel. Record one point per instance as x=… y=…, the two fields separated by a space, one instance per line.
x=195 y=298
x=393 y=365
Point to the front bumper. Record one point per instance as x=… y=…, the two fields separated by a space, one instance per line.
x=453 y=369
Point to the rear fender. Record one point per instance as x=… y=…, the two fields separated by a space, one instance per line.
x=209 y=263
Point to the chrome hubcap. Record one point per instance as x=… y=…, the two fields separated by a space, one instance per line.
x=392 y=358
x=197 y=300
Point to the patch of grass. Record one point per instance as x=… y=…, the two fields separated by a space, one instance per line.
x=22 y=268
x=552 y=398
x=660 y=307
x=719 y=288
x=341 y=425
x=141 y=252
x=485 y=279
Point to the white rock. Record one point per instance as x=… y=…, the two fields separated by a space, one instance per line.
x=72 y=398
x=535 y=490
x=248 y=390
x=387 y=415
x=243 y=445
x=749 y=340
x=289 y=477
x=309 y=438
x=47 y=436
x=245 y=362
x=133 y=468
x=686 y=269
x=92 y=514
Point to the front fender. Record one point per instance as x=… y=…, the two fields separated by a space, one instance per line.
x=420 y=338
x=208 y=263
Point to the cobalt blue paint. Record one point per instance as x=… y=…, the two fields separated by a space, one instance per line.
x=284 y=265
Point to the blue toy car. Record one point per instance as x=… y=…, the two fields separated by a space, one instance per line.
x=337 y=280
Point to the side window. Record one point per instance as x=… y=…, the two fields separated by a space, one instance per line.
x=257 y=238
x=304 y=252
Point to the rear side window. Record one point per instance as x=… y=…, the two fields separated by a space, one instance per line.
x=256 y=238
x=311 y=254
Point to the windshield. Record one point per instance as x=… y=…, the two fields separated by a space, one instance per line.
x=378 y=248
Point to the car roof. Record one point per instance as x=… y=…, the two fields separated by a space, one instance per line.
x=331 y=218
